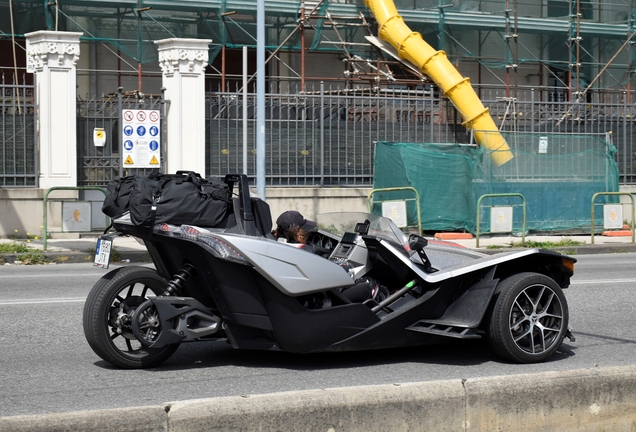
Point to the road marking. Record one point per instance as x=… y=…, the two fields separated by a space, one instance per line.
x=42 y=301
x=601 y=282
x=49 y=276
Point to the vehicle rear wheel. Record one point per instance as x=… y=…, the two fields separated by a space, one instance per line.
x=107 y=317
x=529 y=318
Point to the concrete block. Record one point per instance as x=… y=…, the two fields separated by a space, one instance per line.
x=141 y=419
x=427 y=406
x=578 y=400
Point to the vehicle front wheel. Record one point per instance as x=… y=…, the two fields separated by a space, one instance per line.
x=107 y=317
x=529 y=318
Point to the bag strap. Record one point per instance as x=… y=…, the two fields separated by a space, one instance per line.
x=192 y=177
x=108 y=227
x=156 y=197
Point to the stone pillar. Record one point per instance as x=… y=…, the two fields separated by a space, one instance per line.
x=54 y=56
x=183 y=63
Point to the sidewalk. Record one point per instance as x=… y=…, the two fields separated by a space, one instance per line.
x=602 y=244
x=80 y=250
x=128 y=249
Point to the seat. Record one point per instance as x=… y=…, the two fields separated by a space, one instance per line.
x=262 y=217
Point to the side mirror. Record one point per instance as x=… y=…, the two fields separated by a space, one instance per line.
x=417 y=243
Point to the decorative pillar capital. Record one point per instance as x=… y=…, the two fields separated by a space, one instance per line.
x=184 y=56
x=183 y=63
x=53 y=49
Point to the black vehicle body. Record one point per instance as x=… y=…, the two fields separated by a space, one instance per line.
x=236 y=282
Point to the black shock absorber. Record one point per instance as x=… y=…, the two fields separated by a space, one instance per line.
x=174 y=285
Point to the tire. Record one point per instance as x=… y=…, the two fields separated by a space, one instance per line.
x=529 y=318
x=107 y=312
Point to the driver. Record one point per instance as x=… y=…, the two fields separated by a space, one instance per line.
x=294 y=229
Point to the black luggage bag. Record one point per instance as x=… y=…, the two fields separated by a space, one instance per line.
x=118 y=196
x=181 y=198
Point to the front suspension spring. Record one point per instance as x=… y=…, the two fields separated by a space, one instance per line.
x=174 y=285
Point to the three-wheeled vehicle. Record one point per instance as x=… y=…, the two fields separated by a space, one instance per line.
x=235 y=282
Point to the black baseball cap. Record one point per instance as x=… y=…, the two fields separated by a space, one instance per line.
x=293 y=218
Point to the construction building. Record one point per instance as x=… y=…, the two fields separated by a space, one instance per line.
x=563 y=46
x=538 y=65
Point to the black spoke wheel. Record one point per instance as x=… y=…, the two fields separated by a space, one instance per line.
x=529 y=319
x=108 y=317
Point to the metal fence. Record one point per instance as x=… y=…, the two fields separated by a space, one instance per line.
x=18 y=147
x=608 y=114
x=326 y=137
x=323 y=137
x=97 y=165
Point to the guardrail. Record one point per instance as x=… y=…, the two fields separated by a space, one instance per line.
x=46 y=197
x=612 y=193
x=502 y=195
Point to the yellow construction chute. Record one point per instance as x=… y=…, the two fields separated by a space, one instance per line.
x=434 y=64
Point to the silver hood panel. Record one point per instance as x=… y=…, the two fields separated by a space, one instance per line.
x=292 y=270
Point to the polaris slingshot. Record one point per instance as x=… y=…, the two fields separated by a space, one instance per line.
x=234 y=282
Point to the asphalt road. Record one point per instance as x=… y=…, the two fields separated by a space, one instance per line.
x=46 y=366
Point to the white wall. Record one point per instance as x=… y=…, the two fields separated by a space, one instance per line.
x=22 y=210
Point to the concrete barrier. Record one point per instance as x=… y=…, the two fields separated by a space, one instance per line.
x=406 y=407
x=596 y=399
x=142 y=419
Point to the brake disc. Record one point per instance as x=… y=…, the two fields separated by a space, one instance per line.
x=146 y=325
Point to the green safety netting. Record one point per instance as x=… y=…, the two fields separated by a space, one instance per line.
x=557 y=174
x=130 y=28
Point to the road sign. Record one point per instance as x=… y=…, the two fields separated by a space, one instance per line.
x=396 y=211
x=141 y=147
x=613 y=216
x=501 y=219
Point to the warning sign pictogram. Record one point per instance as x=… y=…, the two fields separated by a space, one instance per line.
x=141 y=146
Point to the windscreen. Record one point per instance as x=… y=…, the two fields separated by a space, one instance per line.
x=341 y=223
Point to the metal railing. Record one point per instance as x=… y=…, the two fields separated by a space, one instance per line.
x=416 y=198
x=45 y=212
x=503 y=195
x=596 y=195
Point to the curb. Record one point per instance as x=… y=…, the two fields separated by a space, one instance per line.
x=590 y=399
x=75 y=257
x=142 y=256
x=573 y=250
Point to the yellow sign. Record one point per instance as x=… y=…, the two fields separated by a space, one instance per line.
x=154 y=160
x=129 y=161
x=99 y=134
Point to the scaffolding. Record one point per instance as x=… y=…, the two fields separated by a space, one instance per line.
x=557 y=45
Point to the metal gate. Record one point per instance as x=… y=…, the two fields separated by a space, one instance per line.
x=18 y=139
x=97 y=165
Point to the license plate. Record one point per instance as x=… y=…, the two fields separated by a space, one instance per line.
x=102 y=252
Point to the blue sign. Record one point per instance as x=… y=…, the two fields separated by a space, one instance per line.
x=154 y=145
x=128 y=145
x=141 y=131
x=128 y=130
x=154 y=130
